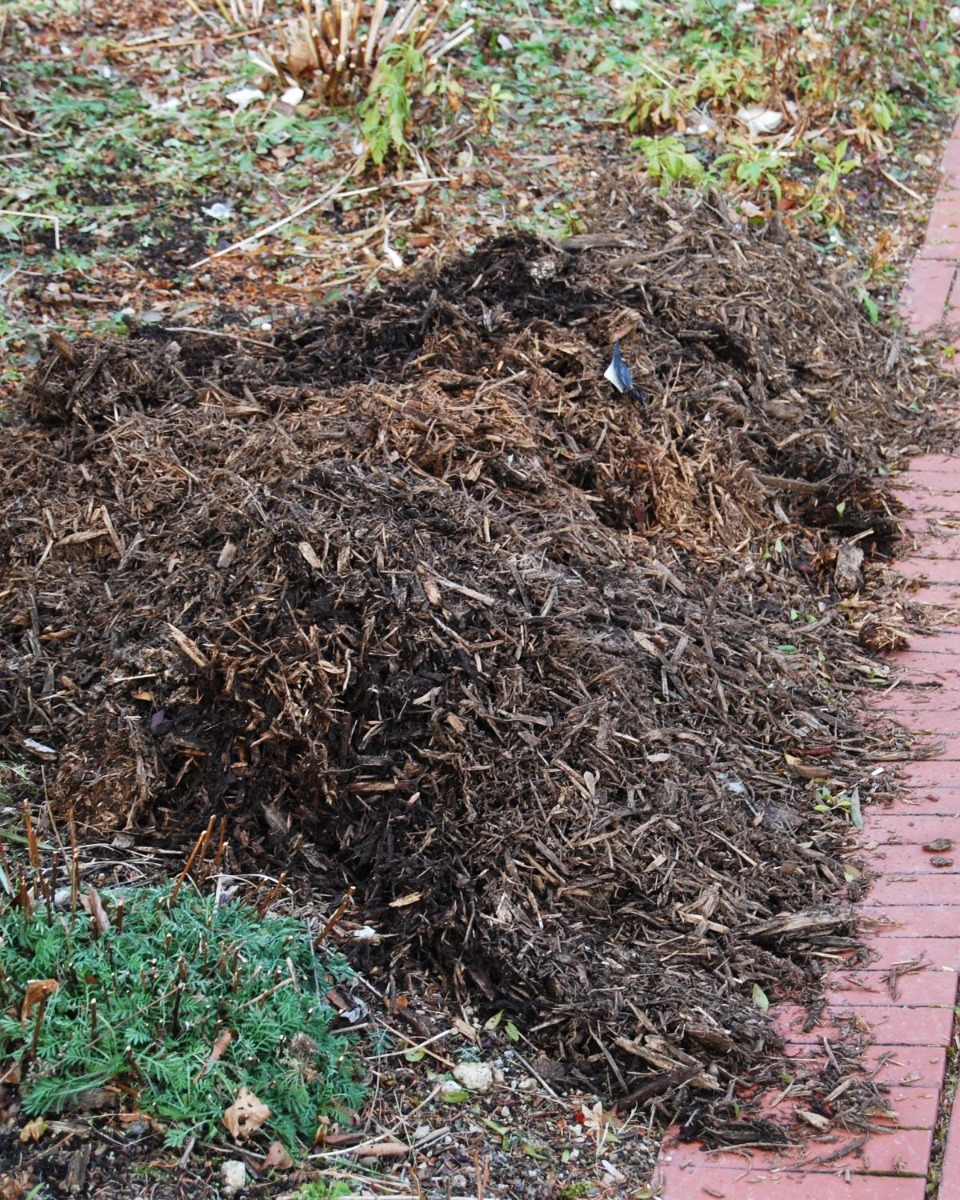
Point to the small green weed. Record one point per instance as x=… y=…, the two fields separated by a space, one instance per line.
x=573 y=1191
x=668 y=162
x=335 y=1190
x=386 y=111
x=179 y=1005
x=405 y=74
x=845 y=802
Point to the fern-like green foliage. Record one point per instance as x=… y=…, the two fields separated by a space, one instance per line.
x=144 y=1007
x=385 y=113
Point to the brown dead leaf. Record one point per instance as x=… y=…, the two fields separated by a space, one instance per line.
x=277 y=1158
x=430 y=589
x=15 y=1187
x=34 y=1130
x=803 y=769
x=217 y=1052
x=11 y=1074
x=245 y=1115
x=220 y=1045
x=38 y=990
x=817 y=1120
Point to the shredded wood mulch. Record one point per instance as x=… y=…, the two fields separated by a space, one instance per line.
x=424 y=607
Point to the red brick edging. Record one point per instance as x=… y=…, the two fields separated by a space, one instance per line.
x=918 y=902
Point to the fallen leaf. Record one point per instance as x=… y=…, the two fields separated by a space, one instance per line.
x=37 y=992
x=760 y=998
x=277 y=1158
x=34 y=1130
x=216 y=1053
x=452 y=1092
x=431 y=591
x=39 y=749
x=245 y=1115
x=592 y=1120
x=817 y=1120
x=11 y=1074
x=404 y=901
x=219 y=211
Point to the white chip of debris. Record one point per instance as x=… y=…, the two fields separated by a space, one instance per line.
x=233 y=1176
x=475 y=1077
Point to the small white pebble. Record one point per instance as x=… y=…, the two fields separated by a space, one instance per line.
x=233 y=1176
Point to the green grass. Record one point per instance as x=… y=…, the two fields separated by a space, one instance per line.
x=177 y=1006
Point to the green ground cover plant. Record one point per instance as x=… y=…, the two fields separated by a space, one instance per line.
x=181 y=1003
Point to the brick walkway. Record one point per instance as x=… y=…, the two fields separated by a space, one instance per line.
x=917 y=900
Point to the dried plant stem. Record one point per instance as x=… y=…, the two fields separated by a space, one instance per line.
x=198 y=847
x=263 y=905
x=32 y=848
x=341 y=909
x=38 y=1023
x=221 y=847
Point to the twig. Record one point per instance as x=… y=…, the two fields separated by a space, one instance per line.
x=341 y=909
x=216 y=333
x=902 y=186
x=422 y=1046
x=414 y=1045
x=30 y=133
x=22 y=212
x=158 y=44
x=200 y=844
x=331 y=194
x=327 y=196
x=840 y=1152
x=540 y=1079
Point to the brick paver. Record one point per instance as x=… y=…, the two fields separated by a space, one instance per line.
x=911 y=913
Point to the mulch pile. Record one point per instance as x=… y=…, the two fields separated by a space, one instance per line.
x=424 y=606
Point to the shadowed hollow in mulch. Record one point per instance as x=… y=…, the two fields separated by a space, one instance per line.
x=423 y=606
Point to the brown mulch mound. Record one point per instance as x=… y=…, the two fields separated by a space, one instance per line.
x=424 y=607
